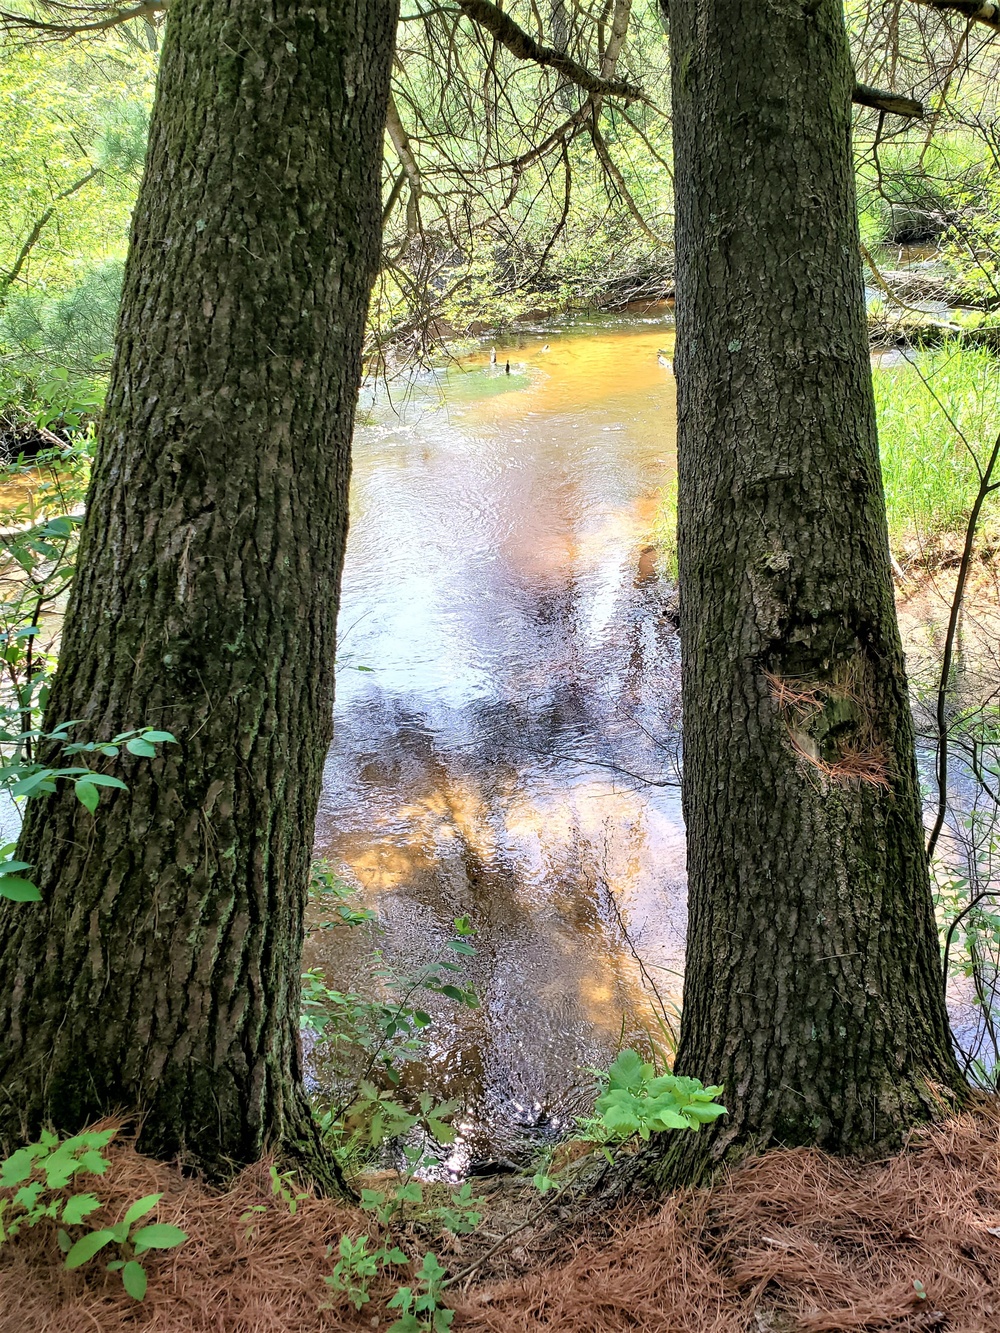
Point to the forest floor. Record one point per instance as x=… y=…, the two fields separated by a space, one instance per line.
x=792 y=1242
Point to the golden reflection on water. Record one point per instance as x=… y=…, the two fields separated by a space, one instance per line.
x=495 y=760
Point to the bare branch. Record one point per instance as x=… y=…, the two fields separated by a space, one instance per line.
x=611 y=170
x=521 y=44
x=77 y=20
x=890 y=102
x=404 y=151
x=8 y=279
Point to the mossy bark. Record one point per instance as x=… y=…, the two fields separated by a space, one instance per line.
x=813 y=987
x=161 y=975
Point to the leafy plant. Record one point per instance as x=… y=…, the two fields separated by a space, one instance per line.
x=386 y=1033
x=23 y=778
x=422 y=1310
x=39 y=1175
x=328 y=888
x=357 y=1266
x=37 y=563
x=283 y=1188
x=637 y=1100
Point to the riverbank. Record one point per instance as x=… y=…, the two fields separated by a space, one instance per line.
x=793 y=1242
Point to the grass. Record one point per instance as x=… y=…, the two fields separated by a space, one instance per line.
x=938 y=416
x=664 y=534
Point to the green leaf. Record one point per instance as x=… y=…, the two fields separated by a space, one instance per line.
x=105 y=780
x=60 y=526
x=134 y=1280
x=705 y=1114
x=141 y=1207
x=18 y=1166
x=30 y=785
x=78 y=1207
x=88 y=794
x=87 y=1246
x=627 y=1071
x=140 y=747
x=28 y=1195
x=19 y=890
x=159 y=1236
x=160 y=737
x=442 y=1132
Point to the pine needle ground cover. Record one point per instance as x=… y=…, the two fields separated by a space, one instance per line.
x=795 y=1242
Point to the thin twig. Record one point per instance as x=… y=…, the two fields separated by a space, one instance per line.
x=986 y=486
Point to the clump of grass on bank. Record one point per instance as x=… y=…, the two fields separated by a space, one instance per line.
x=664 y=535
x=938 y=416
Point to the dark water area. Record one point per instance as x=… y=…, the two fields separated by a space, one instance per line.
x=508 y=751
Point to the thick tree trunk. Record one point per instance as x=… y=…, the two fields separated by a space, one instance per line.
x=813 y=988
x=162 y=972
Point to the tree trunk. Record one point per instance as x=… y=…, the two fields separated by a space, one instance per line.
x=162 y=972
x=813 y=988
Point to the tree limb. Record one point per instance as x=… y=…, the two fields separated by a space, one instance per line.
x=611 y=170
x=510 y=35
x=883 y=101
x=973 y=10
x=404 y=151
x=8 y=279
x=76 y=20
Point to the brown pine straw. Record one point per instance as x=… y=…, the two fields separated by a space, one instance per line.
x=794 y=1242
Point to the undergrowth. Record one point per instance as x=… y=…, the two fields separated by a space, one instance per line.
x=938 y=415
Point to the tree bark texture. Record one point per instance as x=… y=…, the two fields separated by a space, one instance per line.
x=162 y=972
x=813 y=987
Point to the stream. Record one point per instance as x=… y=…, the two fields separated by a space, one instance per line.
x=507 y=716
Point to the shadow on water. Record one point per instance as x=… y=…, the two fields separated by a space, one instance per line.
x=509 y=752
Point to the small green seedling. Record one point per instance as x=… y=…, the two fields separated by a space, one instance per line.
x=39 y=1175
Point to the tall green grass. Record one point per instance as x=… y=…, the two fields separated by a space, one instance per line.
x=664 y=534
x=938 y=416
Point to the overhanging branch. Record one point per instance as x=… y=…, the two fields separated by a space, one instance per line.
x=973 y=10
x=883 y=101
x=79 y=20
x=510 y=35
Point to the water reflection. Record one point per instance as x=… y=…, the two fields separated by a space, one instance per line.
x=509 y=754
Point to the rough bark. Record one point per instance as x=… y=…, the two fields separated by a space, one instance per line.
x=162 y=972
x=813 y=988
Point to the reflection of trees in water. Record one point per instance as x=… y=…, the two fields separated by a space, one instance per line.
x=555 y=979
x=518 y=808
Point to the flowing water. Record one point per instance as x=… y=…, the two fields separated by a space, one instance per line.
x=508 y=711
